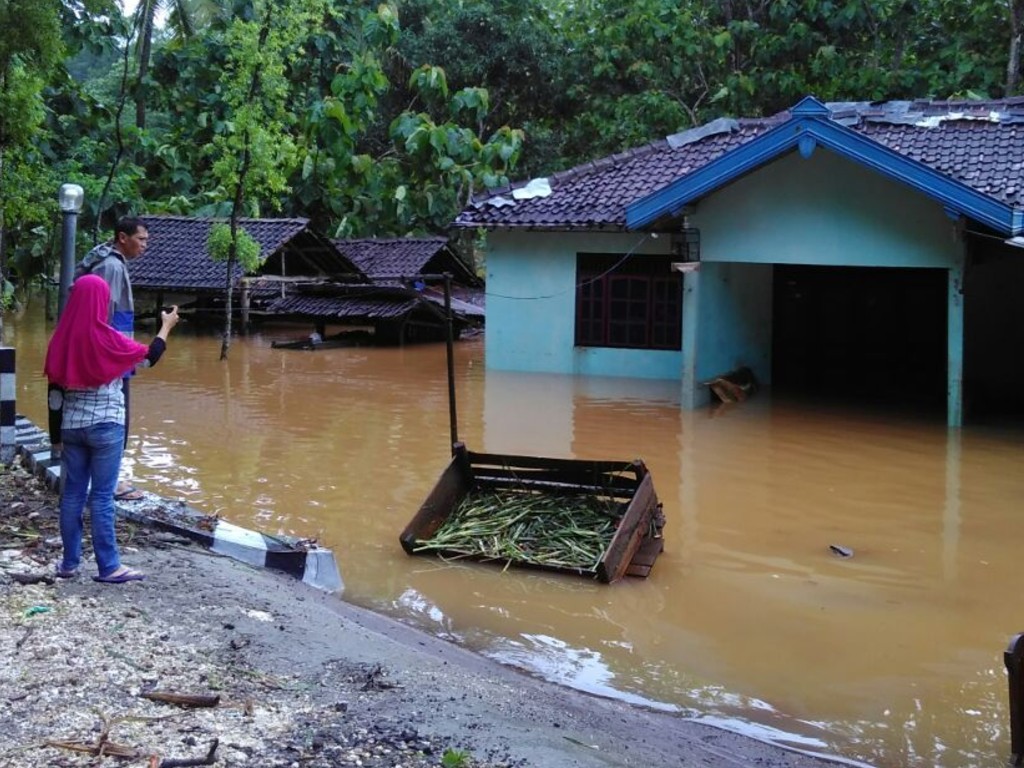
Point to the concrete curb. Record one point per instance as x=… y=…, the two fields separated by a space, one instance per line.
x=300 y=558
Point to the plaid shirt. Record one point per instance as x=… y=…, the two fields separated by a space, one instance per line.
x=86 y=407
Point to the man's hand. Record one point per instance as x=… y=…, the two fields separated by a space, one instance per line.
x=168 y=319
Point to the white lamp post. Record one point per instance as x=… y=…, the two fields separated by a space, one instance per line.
x=70 y=199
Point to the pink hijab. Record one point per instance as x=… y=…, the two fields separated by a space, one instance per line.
x=84 y=351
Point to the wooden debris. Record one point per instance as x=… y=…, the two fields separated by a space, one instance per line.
x=733 y=387
x=24 y=638
x=374 y=681
x=182 y=699
x=840 y=550
x=101 y=748
x=532 y=511
x=186 y=762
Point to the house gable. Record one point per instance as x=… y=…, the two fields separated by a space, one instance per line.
x=406 y=257
x=809 y=126
x=825 y=210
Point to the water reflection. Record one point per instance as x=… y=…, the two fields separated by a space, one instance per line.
x=893 y=656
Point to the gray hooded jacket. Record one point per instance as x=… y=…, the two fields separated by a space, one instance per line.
x=105 y=261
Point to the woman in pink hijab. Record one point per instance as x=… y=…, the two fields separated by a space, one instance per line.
x=85 y=361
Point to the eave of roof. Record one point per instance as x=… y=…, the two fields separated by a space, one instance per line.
x=811 y=125
x=978 y=146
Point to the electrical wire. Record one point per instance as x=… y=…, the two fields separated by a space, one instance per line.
x=579 y=285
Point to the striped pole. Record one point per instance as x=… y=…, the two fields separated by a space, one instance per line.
x=8 y=431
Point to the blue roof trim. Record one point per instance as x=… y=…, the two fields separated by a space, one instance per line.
x=809 y=106
x=811 y=124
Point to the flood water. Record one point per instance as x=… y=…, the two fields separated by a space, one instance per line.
x=891 y=657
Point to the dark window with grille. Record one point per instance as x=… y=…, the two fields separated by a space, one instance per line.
x=637 y=303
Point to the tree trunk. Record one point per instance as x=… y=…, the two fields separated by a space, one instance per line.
x=122 y=97
x=1013 y=59
x=236 y=207
x=3 y=245
x=145 y=50
x=225 y=341
x=236 y=204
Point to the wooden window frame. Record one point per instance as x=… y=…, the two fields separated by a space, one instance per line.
x=636 y=303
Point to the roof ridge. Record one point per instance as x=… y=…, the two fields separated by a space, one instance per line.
x=416 y=239
x=182 y=217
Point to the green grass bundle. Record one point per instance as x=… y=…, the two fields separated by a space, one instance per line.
x=552 y=530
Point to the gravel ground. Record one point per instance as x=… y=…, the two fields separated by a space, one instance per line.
x=298 y=677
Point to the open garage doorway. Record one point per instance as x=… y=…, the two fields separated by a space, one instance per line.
x=857 y=334
x=994 y=334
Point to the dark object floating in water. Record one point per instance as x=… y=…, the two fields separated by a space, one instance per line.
x=343 y=339
x=841 y=551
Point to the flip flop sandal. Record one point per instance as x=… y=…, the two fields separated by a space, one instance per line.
x=120 y=577
x=131 y=493
x=63 y=573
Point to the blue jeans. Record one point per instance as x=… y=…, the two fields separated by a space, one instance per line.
x=91 y=457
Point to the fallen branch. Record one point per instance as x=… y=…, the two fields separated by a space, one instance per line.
x=101 y=748
x=182 y=699
x=185 y=762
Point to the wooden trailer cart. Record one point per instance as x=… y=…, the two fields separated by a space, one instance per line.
x=635 y=536
x=629 y=518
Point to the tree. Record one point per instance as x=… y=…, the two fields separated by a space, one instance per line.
x=182 y=18
x=254 y=150
x=514 y=49
x=30 y=48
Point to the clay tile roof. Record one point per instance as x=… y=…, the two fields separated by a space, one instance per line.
x=405 y=256
x=976 y=142
x=177 y=259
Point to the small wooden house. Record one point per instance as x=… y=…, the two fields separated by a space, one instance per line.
x=306 y=278
x=420 y=261
x=177 y=268
x=404 y=301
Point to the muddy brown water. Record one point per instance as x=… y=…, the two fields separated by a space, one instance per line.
x=891 y=657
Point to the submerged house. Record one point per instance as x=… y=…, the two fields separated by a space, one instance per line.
x=420 y=262
x=177 y=268
x=865 y=250
x=394 y=258
x=404 y=298
x=304 y=277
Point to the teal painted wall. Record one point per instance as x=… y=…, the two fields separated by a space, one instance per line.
x=824 y=210
x=734 y=326
x=531 y=298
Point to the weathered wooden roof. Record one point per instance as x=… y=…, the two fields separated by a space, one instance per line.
x=343 y=308
x=406 y=256
x=979 y=144
x=177 y=259
x=370 y=303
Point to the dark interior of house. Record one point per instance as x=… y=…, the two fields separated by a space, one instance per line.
x=994 y=333
x=855 y=334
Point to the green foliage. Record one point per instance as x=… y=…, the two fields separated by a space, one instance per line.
x=383 y=119
x=455 y=758
x=247 y=250
x=252 y=150
x=514 y=51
